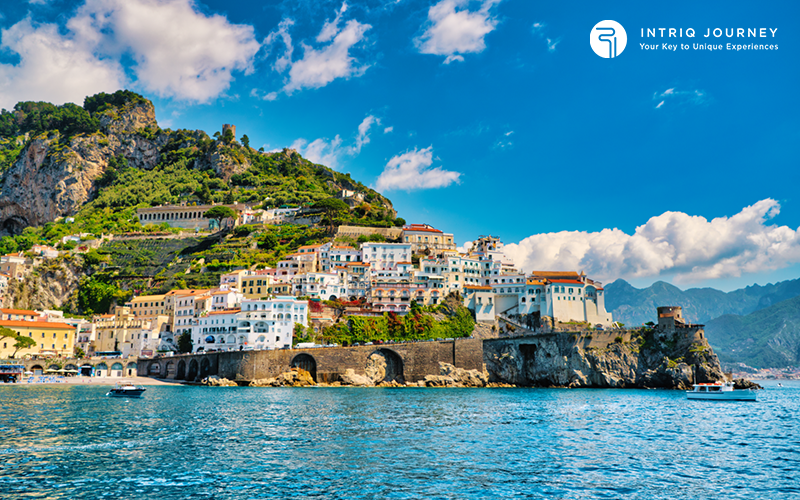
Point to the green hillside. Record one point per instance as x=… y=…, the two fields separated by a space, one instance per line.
x=767 y=338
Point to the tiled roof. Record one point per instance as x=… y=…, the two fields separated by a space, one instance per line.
x=37 y=324
x=569 y=282
x=225 y=311
x=25 y=312
x=477 y=287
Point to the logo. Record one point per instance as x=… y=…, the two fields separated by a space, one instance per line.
x=608 y=39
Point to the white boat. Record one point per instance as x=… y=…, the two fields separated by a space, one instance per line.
x=720 y=391
x=126 y=390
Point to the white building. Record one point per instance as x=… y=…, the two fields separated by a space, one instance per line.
x=385 y=256
x=269 y=324
x=326 y=286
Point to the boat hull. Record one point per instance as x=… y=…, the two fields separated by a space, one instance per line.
x=131 y=393
x=723 y=396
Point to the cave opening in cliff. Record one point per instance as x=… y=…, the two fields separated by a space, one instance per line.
x=14 y=225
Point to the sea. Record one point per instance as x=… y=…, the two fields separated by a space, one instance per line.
x=69 y=442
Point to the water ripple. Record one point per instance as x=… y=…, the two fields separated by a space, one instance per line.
x=205 y=443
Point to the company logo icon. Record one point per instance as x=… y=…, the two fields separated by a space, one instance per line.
x=608 y=39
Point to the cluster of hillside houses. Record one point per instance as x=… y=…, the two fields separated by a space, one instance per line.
x=260 y=308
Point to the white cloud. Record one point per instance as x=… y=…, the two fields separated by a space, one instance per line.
x=283 y=34
x=691 y=248
x=179 y=51
x=411 y=170
x=388 y=130
x=331 y=152
x=320 y=66
x=53 y=67
x=323 y=151
x=176 y=50
x=680 y=97
x=551 y=44
x=453 y=29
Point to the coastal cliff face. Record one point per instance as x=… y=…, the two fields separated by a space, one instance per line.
x=653 y=358
x=54 y=176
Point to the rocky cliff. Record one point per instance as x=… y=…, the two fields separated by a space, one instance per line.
x=672 y=359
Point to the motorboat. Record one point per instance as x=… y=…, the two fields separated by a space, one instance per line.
x=126 y=390
x=720 y=391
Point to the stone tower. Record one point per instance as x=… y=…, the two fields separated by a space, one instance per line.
x=226 y=127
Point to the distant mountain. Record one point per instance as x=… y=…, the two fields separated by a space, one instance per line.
x=634 y=306
x=767 y=338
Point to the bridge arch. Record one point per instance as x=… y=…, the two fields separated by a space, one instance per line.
x=37 y=369
x=194 y=367
x=205 y=367
x=131 y=368
x=385 y=365
x=306 y=362
x=101 y=370
x=169 y=371
x=154 y=370
x=181 y=374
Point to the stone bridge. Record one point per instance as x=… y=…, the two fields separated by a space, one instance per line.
x=408 y=361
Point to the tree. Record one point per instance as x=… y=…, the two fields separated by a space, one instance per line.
x=6 y=333
x=399 y=222
x=229 y=198
x=22 y=343
x=80 y=353
x=185 y=343
x=333 y=208
x=219 y=213
x=268 y=241
x=246 y=141
x=227 y=136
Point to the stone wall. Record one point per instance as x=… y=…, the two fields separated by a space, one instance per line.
x=416 y=360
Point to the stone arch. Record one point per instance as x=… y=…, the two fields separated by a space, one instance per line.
x=194 y=367
x=169 y=371
x=101 y=370
x=385 y=365
x=205 y=368
x=53 y=367
x=181 y=374
x=116 y=370
x=154 y=370
x=332 y=297
x=131 y=369
x=70 y=366
x=37 y=369
x=86 y=370
x=307 y=363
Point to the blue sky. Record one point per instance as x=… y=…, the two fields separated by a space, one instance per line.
x=478 y=117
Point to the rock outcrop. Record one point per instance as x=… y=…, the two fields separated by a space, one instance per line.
x=53 y=285
x=350 y=377
x=54 y=175
x=297 y=377
x=450 y=376
x=654 y=358
x=215 y=381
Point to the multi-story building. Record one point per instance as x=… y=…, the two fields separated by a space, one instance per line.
x=127 y=334
x=326 y=286
x=15 y=265
x=185 y=216
x=218 y=330
x=148 y=307
x=269 y=324
x=427 y=239
x=52 y=338
x=385 y=256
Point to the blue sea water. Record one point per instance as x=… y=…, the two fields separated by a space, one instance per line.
x=68 y=442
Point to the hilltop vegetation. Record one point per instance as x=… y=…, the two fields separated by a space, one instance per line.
x=190 y=167
x=135 y=163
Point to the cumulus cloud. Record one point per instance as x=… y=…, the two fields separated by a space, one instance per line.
x=52 y=67
x=411 y=170
x=452 y=29
x=331 y=152
x=176 y=51
x=320 y=65
x=680 y=97
x=388 y=130
x=691 y=248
